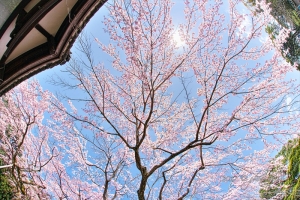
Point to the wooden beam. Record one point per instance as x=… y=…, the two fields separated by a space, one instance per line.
x=30 y=24
x=43 y=31
x=50 y=39
x=25 y=23
x=38 y=59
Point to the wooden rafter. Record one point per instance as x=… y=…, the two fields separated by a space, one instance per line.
x=57 y=48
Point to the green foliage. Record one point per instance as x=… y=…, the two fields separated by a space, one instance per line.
x=270 y=29
x=6 y=190
x=250 y=3
x=293 y=161
x=291 y=49
x=272 y=183
x=289 y=182
x=286 y=15
x=269 y=193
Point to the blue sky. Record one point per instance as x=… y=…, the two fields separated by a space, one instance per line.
x=95 y=29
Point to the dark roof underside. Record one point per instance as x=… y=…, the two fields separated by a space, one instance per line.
x=54 y=48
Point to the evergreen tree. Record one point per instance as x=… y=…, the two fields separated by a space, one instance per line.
x=286 y=15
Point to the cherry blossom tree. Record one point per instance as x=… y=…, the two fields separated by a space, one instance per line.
x=162 y=120
x=23 y=141
x=135 y=136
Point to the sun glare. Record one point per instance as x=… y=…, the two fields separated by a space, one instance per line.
x=177 y=39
